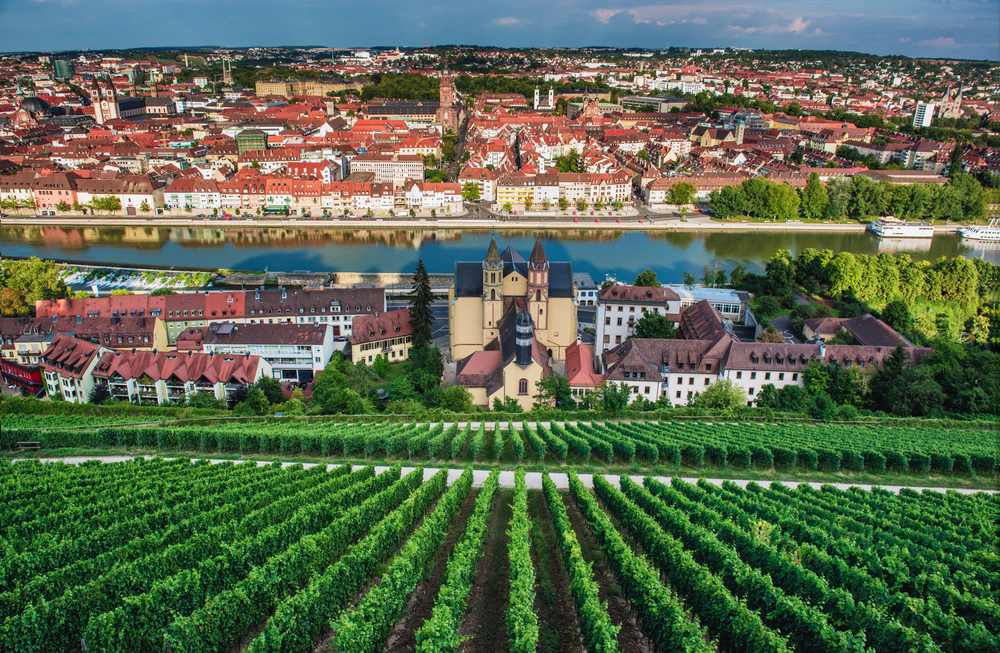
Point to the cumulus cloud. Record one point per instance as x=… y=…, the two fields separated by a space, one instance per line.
x=906 y=40
x=939 y=42
x=798 y=25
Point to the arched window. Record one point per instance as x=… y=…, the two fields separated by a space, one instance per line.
x=538 y=295
x=493 y=277
x=493 y=295
x=522 y=387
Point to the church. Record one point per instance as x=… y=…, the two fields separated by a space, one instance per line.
x=503 y=285
x=510 y=367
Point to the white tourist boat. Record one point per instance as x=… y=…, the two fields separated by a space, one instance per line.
x=890 y=227
x=990 y=233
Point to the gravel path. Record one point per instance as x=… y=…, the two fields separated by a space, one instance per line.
x=534 y=479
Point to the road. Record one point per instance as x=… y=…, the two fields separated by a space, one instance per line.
x=534 y=479
x=439 y=310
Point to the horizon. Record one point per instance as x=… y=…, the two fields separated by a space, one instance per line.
x=926 y=29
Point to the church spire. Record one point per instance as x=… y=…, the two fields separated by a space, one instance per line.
x=493 y=255
x=538 y=260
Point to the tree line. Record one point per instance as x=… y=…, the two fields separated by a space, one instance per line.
x=963 y=199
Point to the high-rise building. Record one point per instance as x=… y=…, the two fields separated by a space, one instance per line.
x=63 y=69
x=924 y=114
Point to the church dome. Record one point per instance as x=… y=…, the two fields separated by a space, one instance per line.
x=34 y=105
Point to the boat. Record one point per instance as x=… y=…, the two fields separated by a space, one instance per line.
x=890 y=227
x=990 y=233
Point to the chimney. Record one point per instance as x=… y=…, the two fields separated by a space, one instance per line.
x=822 y=350
x=256 y=294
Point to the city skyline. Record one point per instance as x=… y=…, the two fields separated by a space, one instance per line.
x=964 y=29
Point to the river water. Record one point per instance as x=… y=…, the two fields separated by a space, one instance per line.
x=598 y=252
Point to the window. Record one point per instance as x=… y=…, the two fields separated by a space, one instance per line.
x=767 y=376
x=621 y=309
x=781 y=376
x=680 y=380
x=707 y=381
x=646 y=390
x=795 y=377
x=607 y=321
x=750 y=391
x=691 y=381
x=619 y=321
x=631 y=309
x=680 y=366
x=678 y=394
x=753 y=375
x=739 y=375
x=607 y=338
x=522 y=387
x=618 y=340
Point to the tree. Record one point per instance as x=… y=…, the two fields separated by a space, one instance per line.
x=682 y=192
x=508 y=405
x=779 y=274
x=955 y=160
x=470 y=191
x=554 y=391
x=814 y=198
x=421 y=299
x=456 y=399
x=527 y=205
x=563 y=203
x=62 y=206
x=581 y=204
x=768 y=305
x=654 y=325
x=897 y=315
x=31 y=280
x=271 y=388
x=256 y=401
x=99 y=394
x=508 y=207
x=736 y=276
x=144 y=207
x=614 y=397
x=642 y=154
x=724 y=393
x=689 y=279
x=771 y=335
x=821 y=406
x=380 y=366
x=647 y=279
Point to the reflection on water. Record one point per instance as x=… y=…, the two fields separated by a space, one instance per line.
x=597 y=251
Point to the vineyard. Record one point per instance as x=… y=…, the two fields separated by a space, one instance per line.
x=166 y=555
x=782 y=447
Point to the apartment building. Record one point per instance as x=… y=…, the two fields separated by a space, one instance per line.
x=295 y=352
x=67 y=366
x=619 y=307
x=156 y=378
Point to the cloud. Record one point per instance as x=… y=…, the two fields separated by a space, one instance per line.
x=798 y=25
x=906 y=40
x=509 y=21
x=939 y=42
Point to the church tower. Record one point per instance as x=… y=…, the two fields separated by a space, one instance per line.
x=538 y=286
x=110 y=106
x=492 y=292
x=538 y=97
x=552 y=98
x=99 y=102
x=447 y=110
x=523 y=335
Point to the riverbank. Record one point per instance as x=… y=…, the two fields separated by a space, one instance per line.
x=639 y=223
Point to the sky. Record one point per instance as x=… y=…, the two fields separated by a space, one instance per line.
x=965 y=29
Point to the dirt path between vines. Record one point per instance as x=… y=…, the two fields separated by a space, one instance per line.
x=403 y=636
x=631 y=639
x=485 y=620
x=558 y=626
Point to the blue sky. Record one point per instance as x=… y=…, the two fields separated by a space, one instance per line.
x=965 y=29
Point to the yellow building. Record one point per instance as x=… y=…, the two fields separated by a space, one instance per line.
x=483 y=294
x=382 y=334
x=511 y=365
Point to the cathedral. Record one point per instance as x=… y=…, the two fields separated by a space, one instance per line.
x=105 y=102
x=485 y=294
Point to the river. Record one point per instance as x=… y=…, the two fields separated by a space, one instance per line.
x=598 y=252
